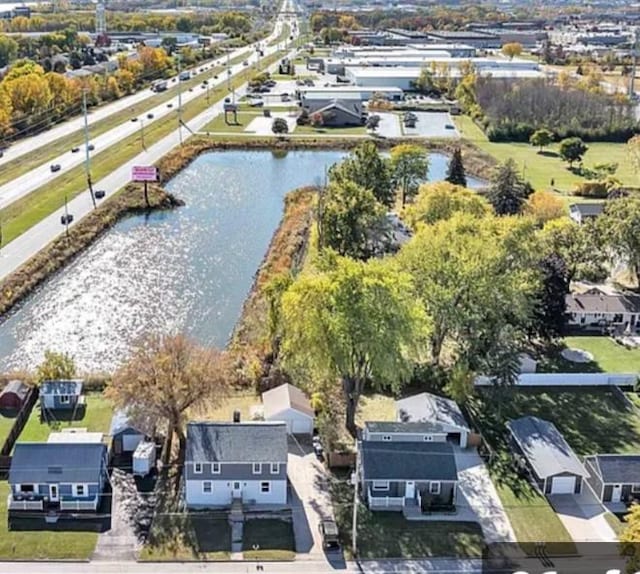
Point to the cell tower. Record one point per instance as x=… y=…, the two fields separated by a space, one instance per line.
x=101 y=18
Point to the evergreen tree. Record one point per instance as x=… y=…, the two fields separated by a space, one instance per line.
x=508 y=191
x=550 y=311
x=455 y=171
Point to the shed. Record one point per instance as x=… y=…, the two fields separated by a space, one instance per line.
x=125 y=436
x=144 y=458
x=289 y=404
x=14 y=395
x=61 y=394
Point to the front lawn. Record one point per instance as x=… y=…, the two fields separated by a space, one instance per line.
x=41 y=544
x=609 y=356
x=268 y=539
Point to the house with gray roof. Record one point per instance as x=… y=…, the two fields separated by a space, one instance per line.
x=443 y=414
x=553 y=464
x=244 y=461
x=581 y=212
x=61 y=395
x=57 y=477
x=125 y=433
x=614 y=478
x=596 y=309
x=289 y=404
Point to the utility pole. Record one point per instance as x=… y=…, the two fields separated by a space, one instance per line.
x=179 y=98
x=144 y=147
x=87 y=162
x=228 y=73
x=354 y=526
x=634 y=64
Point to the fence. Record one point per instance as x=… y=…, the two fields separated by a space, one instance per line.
x=16 y=429
x=385 y=501
x=568 y=380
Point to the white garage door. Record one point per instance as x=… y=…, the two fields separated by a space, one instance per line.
x=563 y=485
x=131 y=441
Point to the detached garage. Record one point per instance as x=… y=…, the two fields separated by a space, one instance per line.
x=554 y=466
x=125 y=437
x=289 y=404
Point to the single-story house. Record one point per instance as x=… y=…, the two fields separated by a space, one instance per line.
x=14 y=395
x=124 y=433
x=399 y=475
x=595 y=309
x=339 y=113
x=63 y=395
x=57 y=476
x=289 y=404
x=554 y=466
x=581 y=212
x=444 y=414
x=235 y=461
x=614 y=477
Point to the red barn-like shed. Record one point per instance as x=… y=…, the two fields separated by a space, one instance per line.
x=14 y=395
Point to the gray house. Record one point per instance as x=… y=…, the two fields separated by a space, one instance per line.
x=339 y=113
x=236 y=461
x=57 y=477
x=409 y=475
x=581 y=212
x=614 y=477
x=61 y=395
x=554 y=466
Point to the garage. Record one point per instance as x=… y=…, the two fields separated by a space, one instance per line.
x=289 y=404
x=563 y=485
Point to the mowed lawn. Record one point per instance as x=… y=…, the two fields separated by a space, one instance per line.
x=608 y=356
x=268 y=539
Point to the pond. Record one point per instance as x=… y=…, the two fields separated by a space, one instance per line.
x=185 y=270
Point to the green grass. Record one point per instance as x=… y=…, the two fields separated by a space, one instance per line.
x=617 y=525
x=268 y=539
x=327 y=131
x=6 y=424
x=219 y=125
x=223 y=411
x=193 y=536
x=376 y=408
x=540 y=169
x=41 y=544
x=608 y=356
x=97 y=418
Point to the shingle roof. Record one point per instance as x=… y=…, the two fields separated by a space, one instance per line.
x=617 y=468
x=121 y=421
x=284 y=397
x=587 y=209
x=16 y=387
x=425 y=407
x=400 y=427
x=35 y=462
x=544 y=447
x=408 y=461
x=237 y=442
x=602 y=303
x=61 y=387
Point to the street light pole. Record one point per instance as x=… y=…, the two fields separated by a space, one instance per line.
x=144 y=147
x=87 y=162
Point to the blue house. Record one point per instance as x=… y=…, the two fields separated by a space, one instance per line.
x=61 y=395
x=57 y=477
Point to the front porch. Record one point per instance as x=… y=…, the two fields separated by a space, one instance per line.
x=44 y=504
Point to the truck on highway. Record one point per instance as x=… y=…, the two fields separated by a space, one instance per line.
x=159 y=86
x=184 y=76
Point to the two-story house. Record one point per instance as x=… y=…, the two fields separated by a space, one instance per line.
x=227 y=461
x=57 y=476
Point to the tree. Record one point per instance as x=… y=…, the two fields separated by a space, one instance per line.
x=274 y=290
x=544 y=206
x=512 y=49
x=56 y=367
x=572 y=150
x=425 y=84
x=8 y=50
x=409 y=168
x=620 y=226
x=373 y=121
x=167 y=377
x=442 y=200
x=633 y=149
x=279 y=126
x=541 y=138
x=353 y=321
x=549 y=313
x=455 y=170
x=349 y=218
x=630 y=538
x=460 y=385
x=508 y=191
x=365 y=167
x=6 y=111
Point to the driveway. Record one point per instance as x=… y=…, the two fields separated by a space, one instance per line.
x=477 y=493
x=310 y=499
x=583 y=516
x=389 y=125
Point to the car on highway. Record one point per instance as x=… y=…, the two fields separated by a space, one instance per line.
x=149 y=116
x=55 y=167
x=99 y=193
x=91 y=147
x=169 y=105
x=245 y=63
x=66 y=218
x=134 y=119
x=256 y=103
x=75 y=149
x=215 y=77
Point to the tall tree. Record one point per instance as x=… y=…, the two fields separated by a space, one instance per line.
x=630 y=538
x=8 y=50
x=549 y=313
x=409 y=168
x=541 y=138
x=366 y=168
x=620 y=225
x=508 y=191
x=455 y=170
x=352 y=321
x=572 y=150
x=56 y=366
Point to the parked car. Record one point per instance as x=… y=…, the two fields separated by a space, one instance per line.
x=75 y=149
x=99 y=193
x=256 y=103
x=66 y=218
x=149 y=116
x=449 y=127
x=317 y=447
x=329 y=531
x=270 y=83
x=55 y=167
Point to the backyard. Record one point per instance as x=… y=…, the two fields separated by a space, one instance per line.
x=608 y=355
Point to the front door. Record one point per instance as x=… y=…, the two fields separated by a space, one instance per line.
x=616 y=493
x=237 y=490
x=53 y=493
x=410 y=490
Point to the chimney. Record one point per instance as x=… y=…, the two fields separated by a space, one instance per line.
x=236 y=416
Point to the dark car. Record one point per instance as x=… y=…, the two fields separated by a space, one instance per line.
x=215 y=77
x=329 y=531
x=75 y=149
x=169 y=105
x=134 y=119
x=191 y=89
x=91 y=147
x=449 y=127
x=149 y=116
x=55 y=167
x=317 y=447
x=99 y=193
x=66 y=218
x=205 y=82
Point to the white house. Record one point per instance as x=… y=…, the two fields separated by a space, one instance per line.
x=581 y=212
x=289 y=404
x=595 y=310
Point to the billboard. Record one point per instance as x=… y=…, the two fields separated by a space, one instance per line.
x=144 y=173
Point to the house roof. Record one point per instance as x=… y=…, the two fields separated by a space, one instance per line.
x=17 y=388
x=544 y=447
x=426 y=407
x=599 y=302
x=617 y=468
x=120 y=422
x=237 y=442
x=339 y=105
x=408 y=460
x=587 y=209
x=285 y=397
x=74 y=437
x=73 y=387
x=400 y=427
x=35 y=462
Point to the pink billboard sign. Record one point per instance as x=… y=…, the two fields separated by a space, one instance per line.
x=144 y=173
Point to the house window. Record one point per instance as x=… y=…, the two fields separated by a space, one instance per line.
x=207 y=487
x=635 y=488
x=386 y=437
x=65 y=399
x=257 y=468
x=215 y=468
x=275 y=468
x=265 y=487
x=197 y=467
x=380 y=485
x=428 y=437
x=434 y=488
x=80 y=490
x=27 y=488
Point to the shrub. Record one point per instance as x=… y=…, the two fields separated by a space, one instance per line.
x=596 y=189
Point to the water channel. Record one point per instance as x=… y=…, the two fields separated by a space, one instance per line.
x=185 y=270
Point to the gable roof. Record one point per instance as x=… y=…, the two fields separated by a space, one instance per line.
x=35 y=462
x=587 y=209
x=18 y=388
x=342 y=106
x=398 y=460
x=599 y=302
x=401 y=427
x=544 y=447
x=426 y=407
x=71 y=387
x=285 y=397
x=617 y=468
x=121 y=421
x=237 y=442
